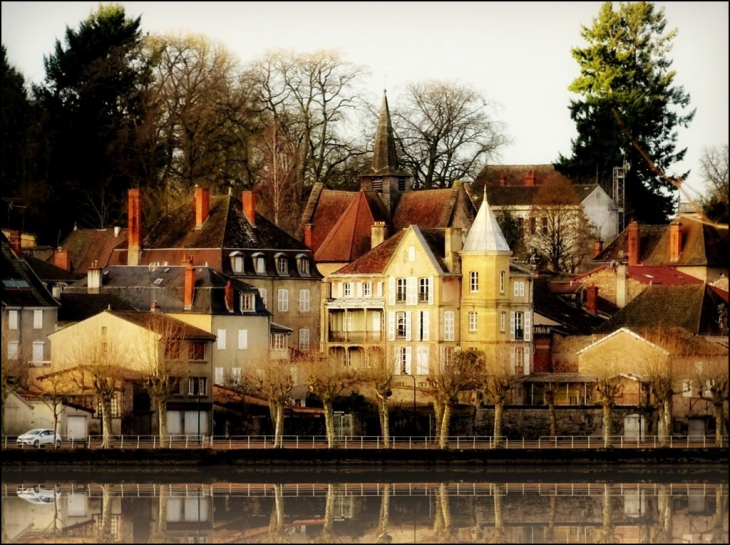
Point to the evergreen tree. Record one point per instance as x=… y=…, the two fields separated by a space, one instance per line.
x=625 y=79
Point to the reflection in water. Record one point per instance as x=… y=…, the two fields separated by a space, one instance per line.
x=365 y=508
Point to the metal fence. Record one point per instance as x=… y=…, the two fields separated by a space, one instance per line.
x=363 y=442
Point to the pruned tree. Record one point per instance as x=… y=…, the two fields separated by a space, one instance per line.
x=712 y=375
x=14 y=373
x=383 y=520
x=464 y=372
x=562 y=235
x=327 y=379
x=606 y=367
x=275 y=380
x=277 y=530
x=499 y=379
x=549 y=391
x=714 y=172
x=378 y=376
x=56 y=390
x=446 y=132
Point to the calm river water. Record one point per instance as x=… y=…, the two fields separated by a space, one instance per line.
x=393 y=505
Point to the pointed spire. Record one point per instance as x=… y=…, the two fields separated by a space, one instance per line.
x=385 y=157
x=485 y=234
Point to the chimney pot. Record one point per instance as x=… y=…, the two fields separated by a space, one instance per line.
x=308 y=236
x=634 y=243
x=62 y=259
x=189 y=289
x=592 y=298
x=530 y=178
x=248 y=200
x=597 y=247
x=134 y=227
x=202 y=206
x=675 y=240
x=93 y=278
x=16 y=242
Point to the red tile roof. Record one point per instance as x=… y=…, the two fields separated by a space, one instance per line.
x=647 y=274
x=429 y=208
x=329 y=207
x=88 y=245
x=376 y=260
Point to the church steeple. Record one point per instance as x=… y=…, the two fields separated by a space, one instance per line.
x=385 y=157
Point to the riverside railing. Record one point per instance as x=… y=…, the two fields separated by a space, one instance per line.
x=362 y=442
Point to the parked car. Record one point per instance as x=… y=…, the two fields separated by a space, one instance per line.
x=40 y=494
x=39 y=437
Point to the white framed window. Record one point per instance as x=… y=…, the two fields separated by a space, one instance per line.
x=37 y=319
x=517 y=330
x=259 y=263
x=236 y=261
x=12 y=319
x=425 y=290
x=38 y=351
x=501 y=282
x=219 y=378
x=402 y=360
x=196 y=386
x=473 y=281
x=449 y=325
x=347 y=289
x=248 y=301
x=687 y=387
x=264 y=295
x=278 y=341
x=303 y=339
x=473 y=321
x=518 y=360
x=243 y=339
x=401 y=290
x=13 y=349
x=367 y=289
x=303 y=264
x=502 y=321
x=303 y=300
x=236 y=375
x=447 y=355
x=221 y=339
x=422 y=360
x=423 y=325
x=283 y=299
x=282 y=266
x=400 y=320
x=411 y=253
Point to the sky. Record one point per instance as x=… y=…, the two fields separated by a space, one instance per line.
x=518 y=54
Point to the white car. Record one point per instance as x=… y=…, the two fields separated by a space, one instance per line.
x=39 y=494
x=39 y=437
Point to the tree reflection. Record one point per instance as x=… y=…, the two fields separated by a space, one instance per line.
x=159 y=530
x=327 y=534
x=105 y=524
x=276 y=521
x=606 y=531
x=383 y=536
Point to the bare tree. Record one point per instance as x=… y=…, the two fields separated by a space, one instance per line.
x=446 y=132
x=327 y=379
x=13 y=376
x=712 y=375
x=383 y=520
x=606 y=366
x=276 y=520
x=447 y=381
x=379 y=376
x=500 y=380
x=275 y=380
x=714 y=172
x=57 y=389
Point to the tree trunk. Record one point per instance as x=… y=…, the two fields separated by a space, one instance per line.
x=438 y=414
x=162 y=419
x=718 y=409
x=498 y=409
x=550 y=397
x=106 y=418
x=445 y=421
x=499 y=532
x=105 y=525
x=382 y=536
x=607 y=425
x=665 y=421
x=279 y=426
x=329 y=424
x=385 y=422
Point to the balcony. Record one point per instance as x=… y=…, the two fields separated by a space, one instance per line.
x=356 y=337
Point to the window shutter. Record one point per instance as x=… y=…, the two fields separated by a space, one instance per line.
x=528 y=328
x=13 y=319
x=422 y=362
x=221 y=339
x=397 y=360
x=430 y=290
x=380 y=289
x=411 y=287
x=391 y=325
x=516 y=289
x=512 y=360
x=527 y=360
x=219 y=375
x=37 y=319
x=242 y=339
x=449 y=325
x=391 y=290
x=359 y=289
x=512 y=326
x=408 y=360
x=522 y=289
x=339 y=289
x=425 y=324
x=408 y=325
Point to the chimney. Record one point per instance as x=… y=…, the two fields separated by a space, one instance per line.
x=597 y=247
x=62 y=259
x=248 y=200
x=592 y=298
x=308 y=242
x=502 y=180
x=378 y=233
x=621 y=286
x=16 y=242
x=229 y=296
x=134 y=227
x=155 y=307
x=634 y=243
x=530 y=178
x=93 y=278
x=202 y=206
x=452 y=247
x=189 y=290
x=675 y=240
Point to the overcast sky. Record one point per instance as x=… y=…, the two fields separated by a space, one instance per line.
x=517 y=54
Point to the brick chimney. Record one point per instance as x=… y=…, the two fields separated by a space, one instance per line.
x=530 y=178
x=202 y=206
x=189 y=289
x=62 y=259
x=597 y=247
x=16 y=244
x=93 y=278
x=248 y=199
x=308 y=236
x=592 y=298
x=634 y=243
x=675 y=240
x=502 y=180
x=229 y=296
x=378 y=233
x=134 y=226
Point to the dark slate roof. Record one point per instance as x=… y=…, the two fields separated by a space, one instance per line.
x=48 y=272
x=140 y=287
x=88 y=245
x=436 y=240
x=376 y=260
x=20 y=286
x=572 y=320
x=691 y=306
x=156 y=322
x=76 y=307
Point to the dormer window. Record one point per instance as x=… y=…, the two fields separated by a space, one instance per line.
x=282 y=266
x=259 y=263
x=303 y=264
x=236 y=262
x=248 y=301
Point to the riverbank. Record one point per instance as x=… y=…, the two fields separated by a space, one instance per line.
x=306 y=458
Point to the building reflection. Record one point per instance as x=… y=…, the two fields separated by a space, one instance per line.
x=367 y=512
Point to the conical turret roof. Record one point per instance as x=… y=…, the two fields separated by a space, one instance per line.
x=485 y=234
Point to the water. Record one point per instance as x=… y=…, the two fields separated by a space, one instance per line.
x=351 y=505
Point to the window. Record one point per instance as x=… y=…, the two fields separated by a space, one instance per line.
x=13 y=350
x=533 y=226
x=501 y=282
x=472 y=321
x=544 y=226
x=303 y=339
x=196 y=386
x=259 y=263
x=278 y=341
x=283 y=300
x=281 y=264
x=422 y=360
x=411 y=253
x=243 y=339
x=264 y=295
x=687 y=387
x=347 y=289
x=38 y=352
x=236 y=375
x=400 y=318
x=519 y=289
x=172 y=349
x=424 y=290
x=303 y=300
x=401 y=290
x=37 y=319
x=367 y=289
x=502 y=320
x=402 y=360
x=219 y=375
x=13 y=319
x=236 y=262
x=473 y=281
x=248 y=301
x=518 y=326
x=447 y=355
x=423 y=325
x=518 y=360
x=449 y=325
x=113 y=406
x=221 y=339
x=303 y=264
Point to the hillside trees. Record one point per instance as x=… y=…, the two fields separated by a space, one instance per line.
x=626 y=77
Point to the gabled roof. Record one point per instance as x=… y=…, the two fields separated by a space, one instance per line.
x=80 y=306
x=572 y=320
x=323 y=210
x=88 y=245
x=376 y=260
x=20 y=286
x=485 y=234
x=514 y=175
x=619 y=331
x=645 y=274
x=693 y=307
x=48 y=272
x=351 y=235
x=429 y=208
x=159 y=322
